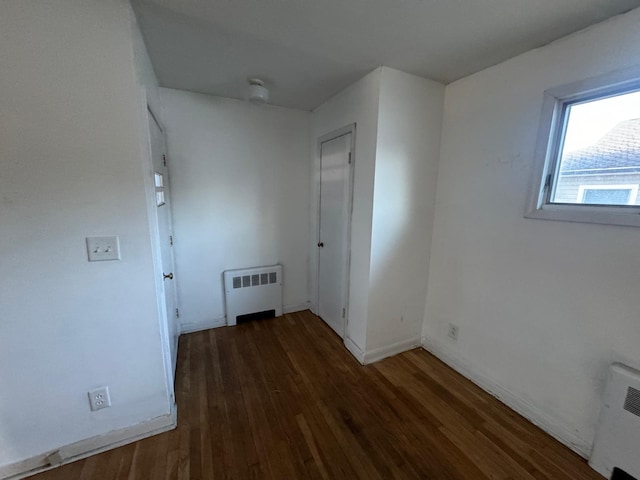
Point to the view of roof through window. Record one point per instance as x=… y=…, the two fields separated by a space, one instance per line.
x=600 y=159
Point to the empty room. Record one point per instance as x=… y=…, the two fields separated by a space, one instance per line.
x=289 y=239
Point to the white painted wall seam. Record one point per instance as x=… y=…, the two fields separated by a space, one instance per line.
x=407 y=154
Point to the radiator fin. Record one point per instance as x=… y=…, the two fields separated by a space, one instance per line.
x=632 y=401
x=255 y=280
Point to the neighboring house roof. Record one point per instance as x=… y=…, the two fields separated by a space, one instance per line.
x=616 y=152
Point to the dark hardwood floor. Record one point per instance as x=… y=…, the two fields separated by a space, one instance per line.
x=283 y=399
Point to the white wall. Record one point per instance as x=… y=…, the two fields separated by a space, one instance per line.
x=70 y=156
x=543 y=307
x=407 y=154
x=240 y=180
x=145 y=72
x=356 y=104
x=149 y=91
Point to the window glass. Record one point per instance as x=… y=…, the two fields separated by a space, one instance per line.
x=599 y=158
x=606 y=197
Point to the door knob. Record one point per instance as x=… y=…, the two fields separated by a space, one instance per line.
x=321 y=244
x=167 y=275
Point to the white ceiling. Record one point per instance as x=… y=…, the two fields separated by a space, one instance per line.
x=308 y=50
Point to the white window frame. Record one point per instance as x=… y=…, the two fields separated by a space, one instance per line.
x=632 y=187
x=551 y=134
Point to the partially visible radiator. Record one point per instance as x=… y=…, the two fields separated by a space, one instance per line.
x=617 y=442
x=253 y=290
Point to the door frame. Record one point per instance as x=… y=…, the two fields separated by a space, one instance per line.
x=170 y=315
x=340 y=132
x=144 y=110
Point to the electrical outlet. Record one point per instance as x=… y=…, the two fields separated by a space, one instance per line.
x=103 y=248
x=99 y=398
x=453 y=331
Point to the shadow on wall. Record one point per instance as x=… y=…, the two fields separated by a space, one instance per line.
x=399 y=251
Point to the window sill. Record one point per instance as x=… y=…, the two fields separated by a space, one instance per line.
x=628 y=217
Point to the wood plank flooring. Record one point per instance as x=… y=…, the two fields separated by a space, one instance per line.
x=283 y=399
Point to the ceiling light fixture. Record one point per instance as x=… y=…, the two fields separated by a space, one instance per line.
x=258 y=93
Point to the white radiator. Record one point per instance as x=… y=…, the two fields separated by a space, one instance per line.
x=253 y=290
x=617 y=442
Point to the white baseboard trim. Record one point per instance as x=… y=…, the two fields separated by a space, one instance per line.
x=354 y=349
x=222 y=321
x=90 y=446
x=390 y=350
x=535 y=415
x=205 y=325
x=296 y=307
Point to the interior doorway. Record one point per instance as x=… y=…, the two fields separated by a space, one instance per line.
x=334 y=226
x=165 y=229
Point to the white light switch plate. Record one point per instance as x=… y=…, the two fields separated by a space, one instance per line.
x=103 y=248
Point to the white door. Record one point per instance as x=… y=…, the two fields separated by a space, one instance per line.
x=163 y=205
x=333 y=238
